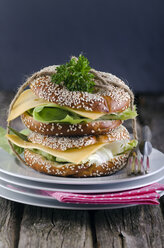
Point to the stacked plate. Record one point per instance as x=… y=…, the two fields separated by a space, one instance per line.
x=22 y=184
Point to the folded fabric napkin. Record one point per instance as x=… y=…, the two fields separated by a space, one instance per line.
x=144 y=195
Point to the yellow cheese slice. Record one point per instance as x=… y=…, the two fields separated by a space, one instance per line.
x=27 y=100
x=72 y=155
x=90 y=115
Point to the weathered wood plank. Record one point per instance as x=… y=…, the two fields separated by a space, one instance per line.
x=42 y=227
x=10 y=218
x=139 y=226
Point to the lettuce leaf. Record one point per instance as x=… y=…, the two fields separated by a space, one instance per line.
x=44 y=154
x=51 y=113
x=125 y=115
x=4 y=142
x=20 y=134
x=5 y=145
x=58 y=114
x=130 y=145
x=116 y=148
x=23 y=135
x=49 y=156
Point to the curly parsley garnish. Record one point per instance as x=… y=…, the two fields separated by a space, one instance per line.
x=75 y=75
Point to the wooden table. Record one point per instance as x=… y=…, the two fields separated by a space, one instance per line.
x=141 y=226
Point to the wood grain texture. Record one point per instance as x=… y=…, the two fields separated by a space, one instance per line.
x=10 y=218
x=42 y=227
x=140 y=226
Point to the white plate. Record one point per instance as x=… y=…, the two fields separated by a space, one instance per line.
x=52 y=203
x=121 y=186
x=11 y=166
x=30 y=191
x=34 y=199
x=21 y=189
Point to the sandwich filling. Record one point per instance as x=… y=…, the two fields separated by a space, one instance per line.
x=102 y=155
x=97 y=153
x=45 y=112
x=52 y=113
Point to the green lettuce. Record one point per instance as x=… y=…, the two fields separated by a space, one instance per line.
x=49 y=156
x=55 y=113
x=23 y=135
x=44 y=154
x=4 y=142
x=130 y=145
x=125 y=115
x=124 y=148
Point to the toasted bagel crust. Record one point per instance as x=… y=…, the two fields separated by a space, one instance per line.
x=61 y=143
x=64 y=143
x=39 y=163
x=64 y=129
x=115 y=100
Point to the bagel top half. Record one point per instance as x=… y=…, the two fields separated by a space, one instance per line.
x=85 y=107
x=104 y=101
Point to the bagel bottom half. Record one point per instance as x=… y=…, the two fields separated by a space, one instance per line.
x=41 y=164
x=96 y=127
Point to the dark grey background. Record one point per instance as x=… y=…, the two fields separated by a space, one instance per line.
x=124 y=37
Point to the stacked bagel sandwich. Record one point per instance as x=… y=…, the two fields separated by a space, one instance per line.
x=73 y=132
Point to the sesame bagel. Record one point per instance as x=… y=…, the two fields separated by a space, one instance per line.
x=65 y=143
x=65 y=129
x=106 y=101
x=41 y=164
x=74 y=115
x=61 y=143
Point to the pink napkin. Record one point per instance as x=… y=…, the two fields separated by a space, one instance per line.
x=144 y=195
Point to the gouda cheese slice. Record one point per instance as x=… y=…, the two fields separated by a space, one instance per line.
x=72 y=155
x=27 y=100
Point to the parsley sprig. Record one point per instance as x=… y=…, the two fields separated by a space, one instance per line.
x=75 y=75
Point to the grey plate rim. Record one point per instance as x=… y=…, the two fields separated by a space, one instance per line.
x=106 y=188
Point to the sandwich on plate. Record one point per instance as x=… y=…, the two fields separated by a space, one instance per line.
x=73 y=116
